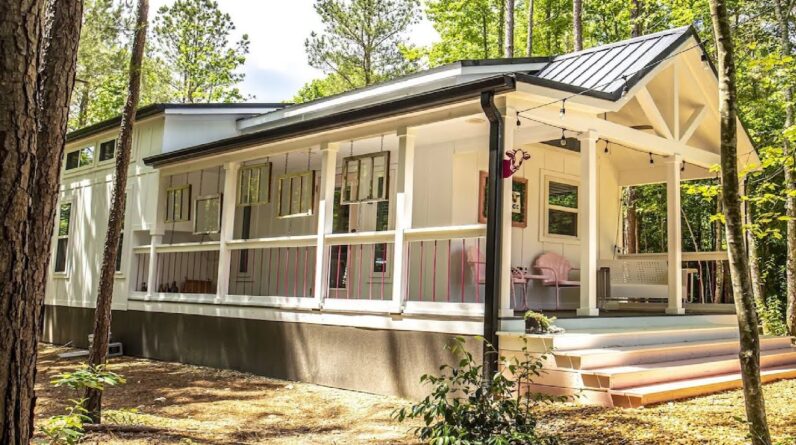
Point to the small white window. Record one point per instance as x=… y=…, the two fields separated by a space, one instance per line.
x=208 y=215
x=561 y=208
x=107 y=150
x=295 y=193
x=365 y=178
x=254 y=184
x=80 y=158
x=178 y=203
x=62 y=246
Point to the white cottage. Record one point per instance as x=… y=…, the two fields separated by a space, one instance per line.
x=345 y=240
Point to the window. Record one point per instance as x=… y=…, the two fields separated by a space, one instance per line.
x=107 y=150
x=561 y=208
x=296 y=194
x=380 y=250
x=80 y=158
x=208 y=215
x=339 y=254
x=245 y=229
x=365 y=178
x=254 y=184
x=178 y=203
x=62 y=246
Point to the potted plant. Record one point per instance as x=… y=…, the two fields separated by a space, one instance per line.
x=537 y=323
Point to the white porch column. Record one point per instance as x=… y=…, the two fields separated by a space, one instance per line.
x=152 y=273
x=404 y=187
x=674 y=236
x=509 y=127
x=325 y=216
x=587 y=224
x=228 y=204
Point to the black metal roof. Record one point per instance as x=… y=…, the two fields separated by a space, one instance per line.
x=153 y=109
x=603 y=71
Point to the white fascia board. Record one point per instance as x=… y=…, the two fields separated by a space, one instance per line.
x=216 y=111
x=330 y=105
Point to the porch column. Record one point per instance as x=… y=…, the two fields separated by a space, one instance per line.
x=509 y=118
x=587 y=224
x=674 y=236
x=152 y=273
x=228 y=204
x=325 y=216
x=404 y=191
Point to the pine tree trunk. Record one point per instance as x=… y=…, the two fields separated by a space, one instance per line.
x=508 y=50
x=20 y=34
x=501 y=26
x=102 y=318
x=577 y=23
x=739 y=267
x=790 y=177
x=529 y=38
x=635 y=16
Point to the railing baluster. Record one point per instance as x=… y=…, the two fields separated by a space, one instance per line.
x=464 y=250
x=478 y=271
x=448 y=290
x=421 y=272
x=361 y=274
x=434 y=275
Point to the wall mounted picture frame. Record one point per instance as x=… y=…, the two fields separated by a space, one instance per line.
x=519 y=200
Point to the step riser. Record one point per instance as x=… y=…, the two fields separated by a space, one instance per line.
x=655 y=355
x=661 y=375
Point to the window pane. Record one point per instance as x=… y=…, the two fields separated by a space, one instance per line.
x=64 y=217
x=379 y=177
x=243 y=186
x=295 y=195
x=284 y=196
x=72 y=160
x=86 y=156
x=365 y=179
x=207 y=215
x=264 y=189
x=561 y=222
x=563 y=195
x=60 y=254
x=119 y=253
x=352 y=176
x=340 y=214
x=177 y=205
x=107 y=150
x=380 y=258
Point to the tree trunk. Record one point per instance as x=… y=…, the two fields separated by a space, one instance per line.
x=508 y=49
x=631 y=232
x=82 y=113
x=529 y=38
x=739 y=267
x=102 y=318
x=20 y=34
x=635 y=18
x=790 y=177
x=577 y=23
x=501 y=26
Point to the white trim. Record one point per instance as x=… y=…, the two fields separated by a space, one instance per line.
x=445 y=232
x=444 y=309
x=358 y=305
x=546 y=177
x=273 y=242
x=356 y=238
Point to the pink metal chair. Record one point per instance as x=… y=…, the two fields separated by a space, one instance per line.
x=477 y=262
x=554 y=270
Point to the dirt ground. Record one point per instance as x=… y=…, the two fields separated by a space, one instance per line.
x=196 y=405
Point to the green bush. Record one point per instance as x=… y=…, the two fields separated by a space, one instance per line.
x=463 y=410
x=771 y=317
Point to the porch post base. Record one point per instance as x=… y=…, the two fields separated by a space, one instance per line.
x=506 y=313
x=675 y=311
x=587 y=312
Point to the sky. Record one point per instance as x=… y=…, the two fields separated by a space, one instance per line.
x=276 y=66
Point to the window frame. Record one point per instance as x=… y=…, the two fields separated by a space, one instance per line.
x=199 y=199
x=183 y=218
x=385 y=196
x=79 y=167
x=545 y=235
x=262 y=166
x=65 y=272
x=301 y=211
x=99 y=151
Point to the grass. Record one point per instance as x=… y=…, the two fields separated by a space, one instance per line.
x=191 y=404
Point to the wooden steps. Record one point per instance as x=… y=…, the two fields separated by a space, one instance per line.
x=627 y=367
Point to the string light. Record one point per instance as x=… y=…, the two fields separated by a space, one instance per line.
x=606 y=146
x=652 y=161
x=563 y=141
x=518 y=120
x=624 y=87
x=682 y=166
x=563 y=111
x=705 y=61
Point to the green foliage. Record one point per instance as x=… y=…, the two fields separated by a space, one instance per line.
x=87 y=376
x=67 y=428
x=362 y=43
x=545 y=322
x=771 y=317
x=192 y=37
x=461 y=409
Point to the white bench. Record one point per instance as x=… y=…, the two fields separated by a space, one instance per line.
x=637 y=280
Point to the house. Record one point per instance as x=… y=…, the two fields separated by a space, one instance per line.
x=345 y=240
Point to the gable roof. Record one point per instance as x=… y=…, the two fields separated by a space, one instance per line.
x=602 y=72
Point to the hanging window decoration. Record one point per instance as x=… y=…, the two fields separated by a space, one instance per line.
x=254 y=184
x=295 y=192
x=178 y=203
x=366 y=178
x=207 y=215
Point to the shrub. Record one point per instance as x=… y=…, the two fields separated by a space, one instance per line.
x=545 y=324
x=462 y=409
